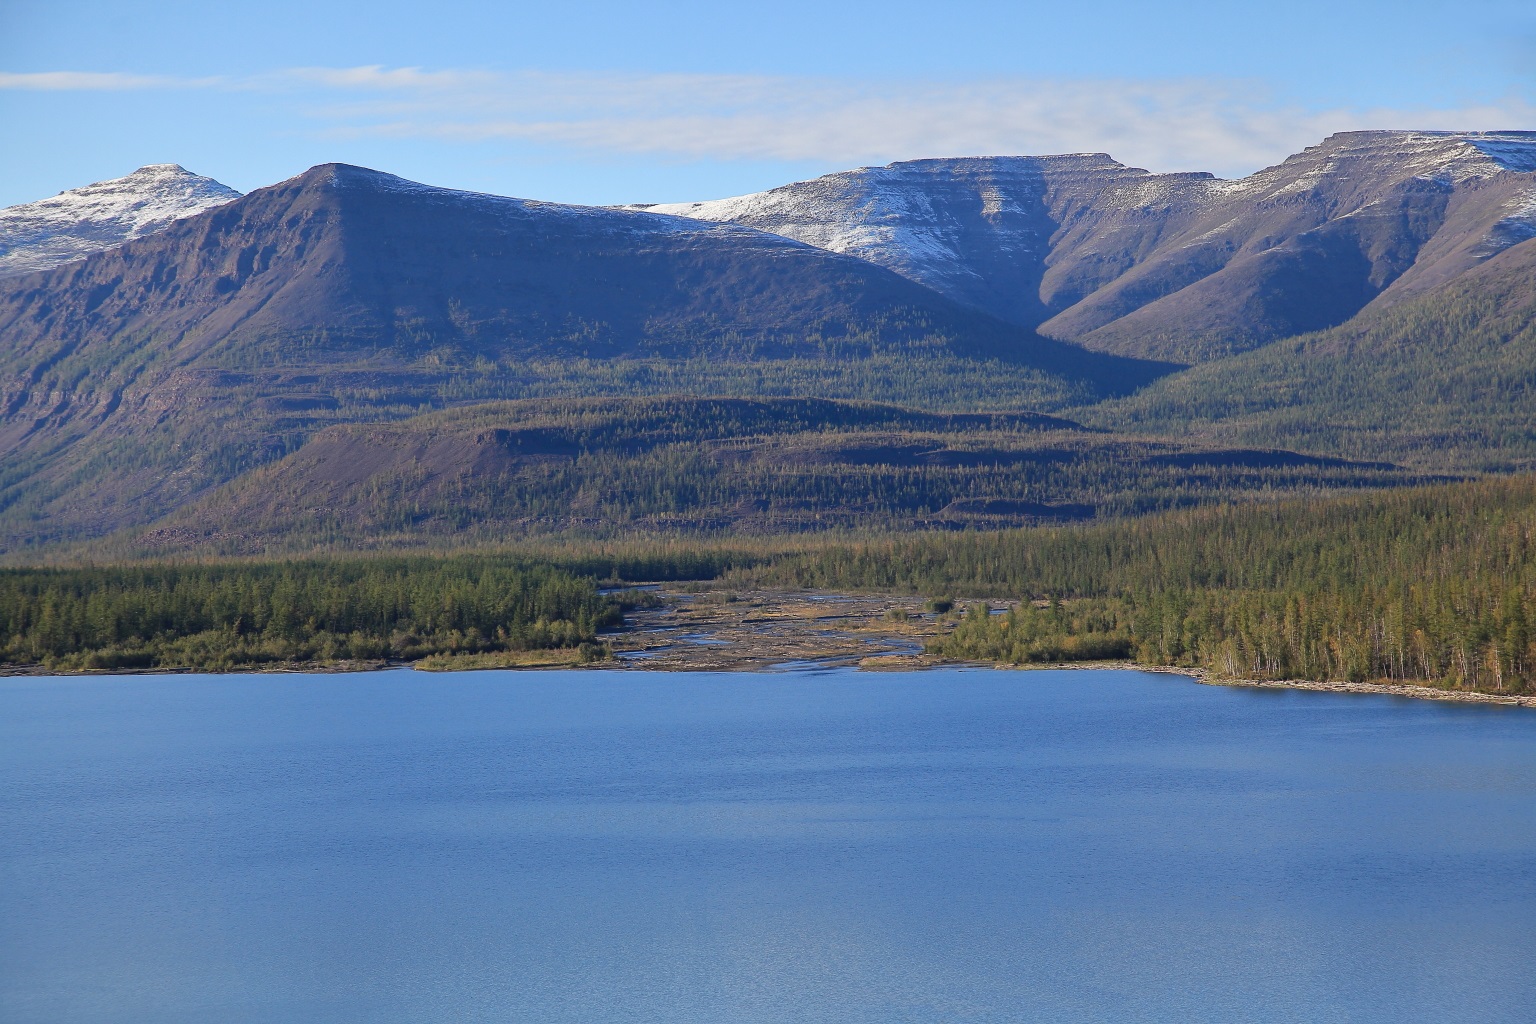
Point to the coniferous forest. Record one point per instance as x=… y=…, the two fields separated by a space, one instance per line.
x=1434 y=585
x=253 y=614
x=1431 y=584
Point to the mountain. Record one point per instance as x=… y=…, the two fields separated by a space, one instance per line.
x=485 y=474
x=377 y=264
x=1442 y=378
x=979 y=229
x=137 y=378
x=1368 y=298
x=1182 y=267
x=74 y=224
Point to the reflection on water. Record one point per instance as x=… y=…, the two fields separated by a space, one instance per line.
x=829 y=846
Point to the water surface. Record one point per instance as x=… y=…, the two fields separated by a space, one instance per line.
x=954 y=845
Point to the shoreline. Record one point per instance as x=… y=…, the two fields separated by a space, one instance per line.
x=714 y=629
x=1409 y=690
x=1205 y=677
x=874 y=663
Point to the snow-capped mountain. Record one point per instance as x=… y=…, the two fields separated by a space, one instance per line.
x=1182 y=266
x=978 y=229
x=81 y=221
x=366 y=256
x=346 y=293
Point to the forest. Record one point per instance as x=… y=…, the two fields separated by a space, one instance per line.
x=235 y=615
x=680 y=466
x=1432 y=584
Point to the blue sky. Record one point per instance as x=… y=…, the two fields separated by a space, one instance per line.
x=602 y=102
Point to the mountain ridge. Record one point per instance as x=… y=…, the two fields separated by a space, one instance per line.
x=1381 y=269
x=371 y=256
x=1182 y=266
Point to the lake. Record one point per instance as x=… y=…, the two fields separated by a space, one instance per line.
x=951 y=845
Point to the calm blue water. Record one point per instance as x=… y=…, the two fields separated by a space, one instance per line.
x=958 y=845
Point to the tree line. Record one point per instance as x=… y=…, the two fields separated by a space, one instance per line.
x=1434 y=585
x=229 y=615
x=1431 y=584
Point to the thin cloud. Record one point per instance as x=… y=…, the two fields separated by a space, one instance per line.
x=1219 y=125
x=95 y=81
x=1228 y=127
x=377 y=78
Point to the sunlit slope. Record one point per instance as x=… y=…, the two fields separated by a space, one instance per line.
x=1446 y=377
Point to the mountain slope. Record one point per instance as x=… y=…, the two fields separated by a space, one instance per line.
x=381 y=264
x=1445 y=377
x=486 y=474
x=1184 y=267
x=136 y=379
x=74 y=224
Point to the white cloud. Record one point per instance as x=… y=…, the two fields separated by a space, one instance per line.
x=1198 y=124
x=1223 y=126
x=376 y=77
x=95 y=81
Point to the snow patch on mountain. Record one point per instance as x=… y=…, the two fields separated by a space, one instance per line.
x=923 y=219
x=1512 y=151
x=74 y=224
x=890 y=225
x=1517 y=225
